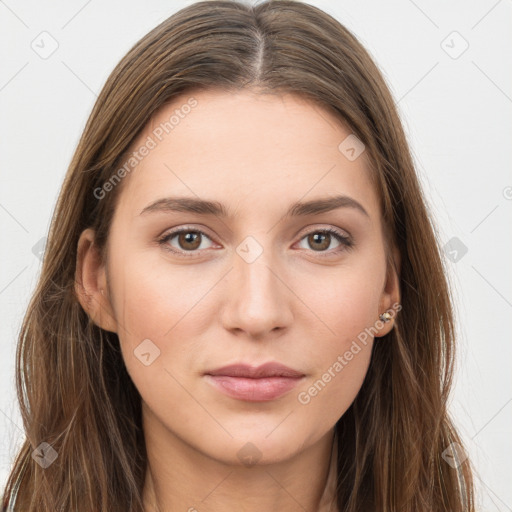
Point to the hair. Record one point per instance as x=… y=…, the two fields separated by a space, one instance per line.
x=73 y=388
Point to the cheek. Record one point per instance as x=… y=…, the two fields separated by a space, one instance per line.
x=340 y=301
x=339 y=361
x=153 y=298
x=331 y=391
x=346 y=304
x=160 y=312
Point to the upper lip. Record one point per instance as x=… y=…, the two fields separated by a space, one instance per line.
x=271 y=369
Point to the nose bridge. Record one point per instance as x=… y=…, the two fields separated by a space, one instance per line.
x=258 y=301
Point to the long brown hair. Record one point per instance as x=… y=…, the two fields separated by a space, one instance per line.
x=73 y=388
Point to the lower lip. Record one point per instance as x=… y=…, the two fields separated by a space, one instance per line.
x=253 y=390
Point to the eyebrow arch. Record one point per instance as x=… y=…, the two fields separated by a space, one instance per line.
x=298 y=209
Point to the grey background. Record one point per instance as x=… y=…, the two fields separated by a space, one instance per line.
x=456 y=108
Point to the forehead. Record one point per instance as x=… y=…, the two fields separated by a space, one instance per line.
x=275 y=149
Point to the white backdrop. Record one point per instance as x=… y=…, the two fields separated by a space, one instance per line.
x=447 y=68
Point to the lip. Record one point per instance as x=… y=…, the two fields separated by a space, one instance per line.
x=254 y=384
x=271 y=369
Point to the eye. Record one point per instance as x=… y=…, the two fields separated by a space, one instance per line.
x=188 y=240
x=321 y=239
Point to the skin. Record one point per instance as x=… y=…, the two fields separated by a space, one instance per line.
x=257 y=154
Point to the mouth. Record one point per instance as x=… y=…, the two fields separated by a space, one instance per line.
x=254 y=384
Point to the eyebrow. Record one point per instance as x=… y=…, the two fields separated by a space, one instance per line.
x=205 y=207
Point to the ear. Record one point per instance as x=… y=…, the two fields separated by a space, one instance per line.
x=91 y=283
x=390 y=298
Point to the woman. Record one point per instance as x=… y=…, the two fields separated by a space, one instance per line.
x=242 y=303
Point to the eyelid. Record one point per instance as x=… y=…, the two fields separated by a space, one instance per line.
x=313 y=228
x=344 y=238
x=164 y=239
x=345 y=241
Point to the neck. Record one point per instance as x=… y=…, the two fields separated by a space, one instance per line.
x=180 y=477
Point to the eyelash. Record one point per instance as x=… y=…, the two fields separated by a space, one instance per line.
x=345 y=241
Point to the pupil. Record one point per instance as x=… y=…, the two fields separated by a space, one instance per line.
x=191 y=238
x=321 y=238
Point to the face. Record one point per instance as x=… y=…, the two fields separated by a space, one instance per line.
x=190 y=287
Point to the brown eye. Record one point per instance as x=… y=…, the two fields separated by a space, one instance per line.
x=321 y=239
x=187 y=241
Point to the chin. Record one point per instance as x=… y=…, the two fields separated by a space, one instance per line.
x=256 y=448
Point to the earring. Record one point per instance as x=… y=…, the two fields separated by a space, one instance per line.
x=385 y=317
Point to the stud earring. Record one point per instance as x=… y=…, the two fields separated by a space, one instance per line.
x=385 y=317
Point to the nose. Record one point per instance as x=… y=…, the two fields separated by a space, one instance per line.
x=259 y=301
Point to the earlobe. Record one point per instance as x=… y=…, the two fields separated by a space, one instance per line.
x=389 y=304
x=90 y=283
